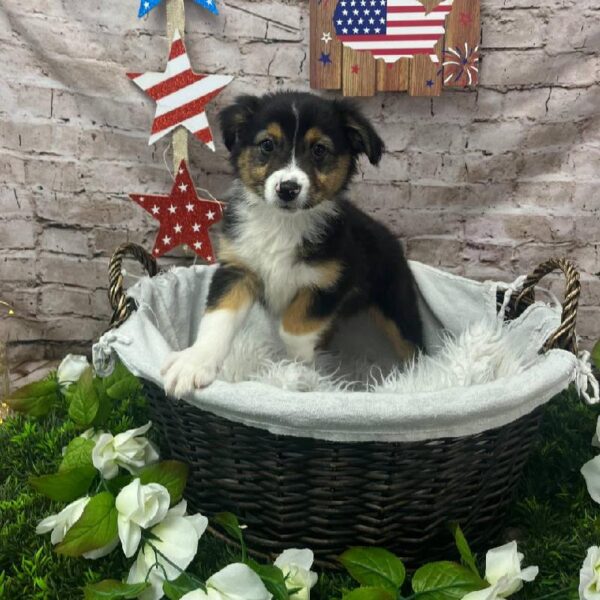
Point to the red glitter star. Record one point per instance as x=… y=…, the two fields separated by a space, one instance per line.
x=355 y=69
x=184 y=217
x=466 y=19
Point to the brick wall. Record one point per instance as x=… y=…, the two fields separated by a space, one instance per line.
x=485 y=183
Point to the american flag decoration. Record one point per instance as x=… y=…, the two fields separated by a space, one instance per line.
x=184 y=217
x=394 y=45
x=147 y=5
x=181 y=95
x=391 y=29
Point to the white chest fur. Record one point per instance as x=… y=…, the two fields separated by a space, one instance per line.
x=268 y=240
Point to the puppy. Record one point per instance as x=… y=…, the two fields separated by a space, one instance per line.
x=291 y=240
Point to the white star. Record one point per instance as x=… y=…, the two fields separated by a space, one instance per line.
x=366 y=29
x=156 y=251
x=183 y=187
x=180 y=171
x=360 y=21
x=350 y=21
x=142 y=198
x=155 y=210
x=326 y=37
x=146 y=5
x=339 y=21
x=196 y=227
x=355 y=11
x=197 y=245
x=178 y=228
x=371 y=20
x=172 y=209
x=377 y=30
x=210 y=215
x=166 y=240
x=211 y=86
x=344 y=31
x=355 y=30
x=189 y=207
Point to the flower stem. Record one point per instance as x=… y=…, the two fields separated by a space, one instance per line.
x=195 y=579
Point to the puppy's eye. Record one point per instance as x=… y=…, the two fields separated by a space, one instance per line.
x=267 y=146
x=319 y=151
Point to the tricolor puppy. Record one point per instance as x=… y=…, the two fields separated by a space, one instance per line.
x=293 y=242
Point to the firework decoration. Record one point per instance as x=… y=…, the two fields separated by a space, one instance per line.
x=461 y=65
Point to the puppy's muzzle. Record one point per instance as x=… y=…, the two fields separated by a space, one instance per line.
x=288 y=190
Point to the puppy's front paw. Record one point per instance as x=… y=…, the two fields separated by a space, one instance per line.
x=185 y=371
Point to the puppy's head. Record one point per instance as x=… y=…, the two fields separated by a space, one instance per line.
x=296 y=150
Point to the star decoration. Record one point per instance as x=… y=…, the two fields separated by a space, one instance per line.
x=147 y=5
x=355 y=69
x=326 y=37
x=184 y=219
x=181 y=95
x=325 y=58
x=430 y=83
x=465 y=19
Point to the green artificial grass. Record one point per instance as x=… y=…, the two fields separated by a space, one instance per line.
x=554 y=519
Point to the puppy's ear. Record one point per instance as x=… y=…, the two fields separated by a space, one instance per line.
x=236 y=117
x=363 y=137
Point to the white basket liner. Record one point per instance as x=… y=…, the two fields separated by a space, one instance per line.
x=171 y=305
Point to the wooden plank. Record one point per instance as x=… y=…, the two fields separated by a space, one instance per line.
x=359 y=73
x=393 y=77
x=325 y=56
x=424 y=78
x=463 y=27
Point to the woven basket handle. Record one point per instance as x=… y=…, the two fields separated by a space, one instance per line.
x=564 y=337
x=122 y=305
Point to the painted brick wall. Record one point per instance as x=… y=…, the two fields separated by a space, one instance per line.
x=486 y=184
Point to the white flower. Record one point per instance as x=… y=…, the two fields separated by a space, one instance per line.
x=591 y=474
x=61 y=523
x=589 y=576
x=234 y=582
x=139 y=506
x=179 y=535
x=503 y=573
x=71 y=368
x=127 y=450
x=295 y=565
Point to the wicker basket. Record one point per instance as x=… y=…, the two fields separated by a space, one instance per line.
x=296 y=492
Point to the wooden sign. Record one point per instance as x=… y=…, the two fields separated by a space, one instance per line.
x=368 y=46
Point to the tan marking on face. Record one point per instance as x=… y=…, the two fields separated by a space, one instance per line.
x=296 y=321
x=274 y=130
x=252 y=173
x=404 y=349
x=329 y=183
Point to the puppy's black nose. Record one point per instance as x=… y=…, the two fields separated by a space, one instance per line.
x=288 y=190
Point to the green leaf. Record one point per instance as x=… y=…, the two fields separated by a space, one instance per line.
x=170 y=473
x=374 y=567
x=111 y=589
x=229 y=522
x=464 y=549
x=273 y=579
x=596 y=355
x=370 y=593
x=96 y=528
x=84 y=402
x=176 y=589
x=66 y=485
x=116 y=484
x=36 y=399
x=105 y=404
x=121 y=384
x=77 y=454
x=445 y=581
